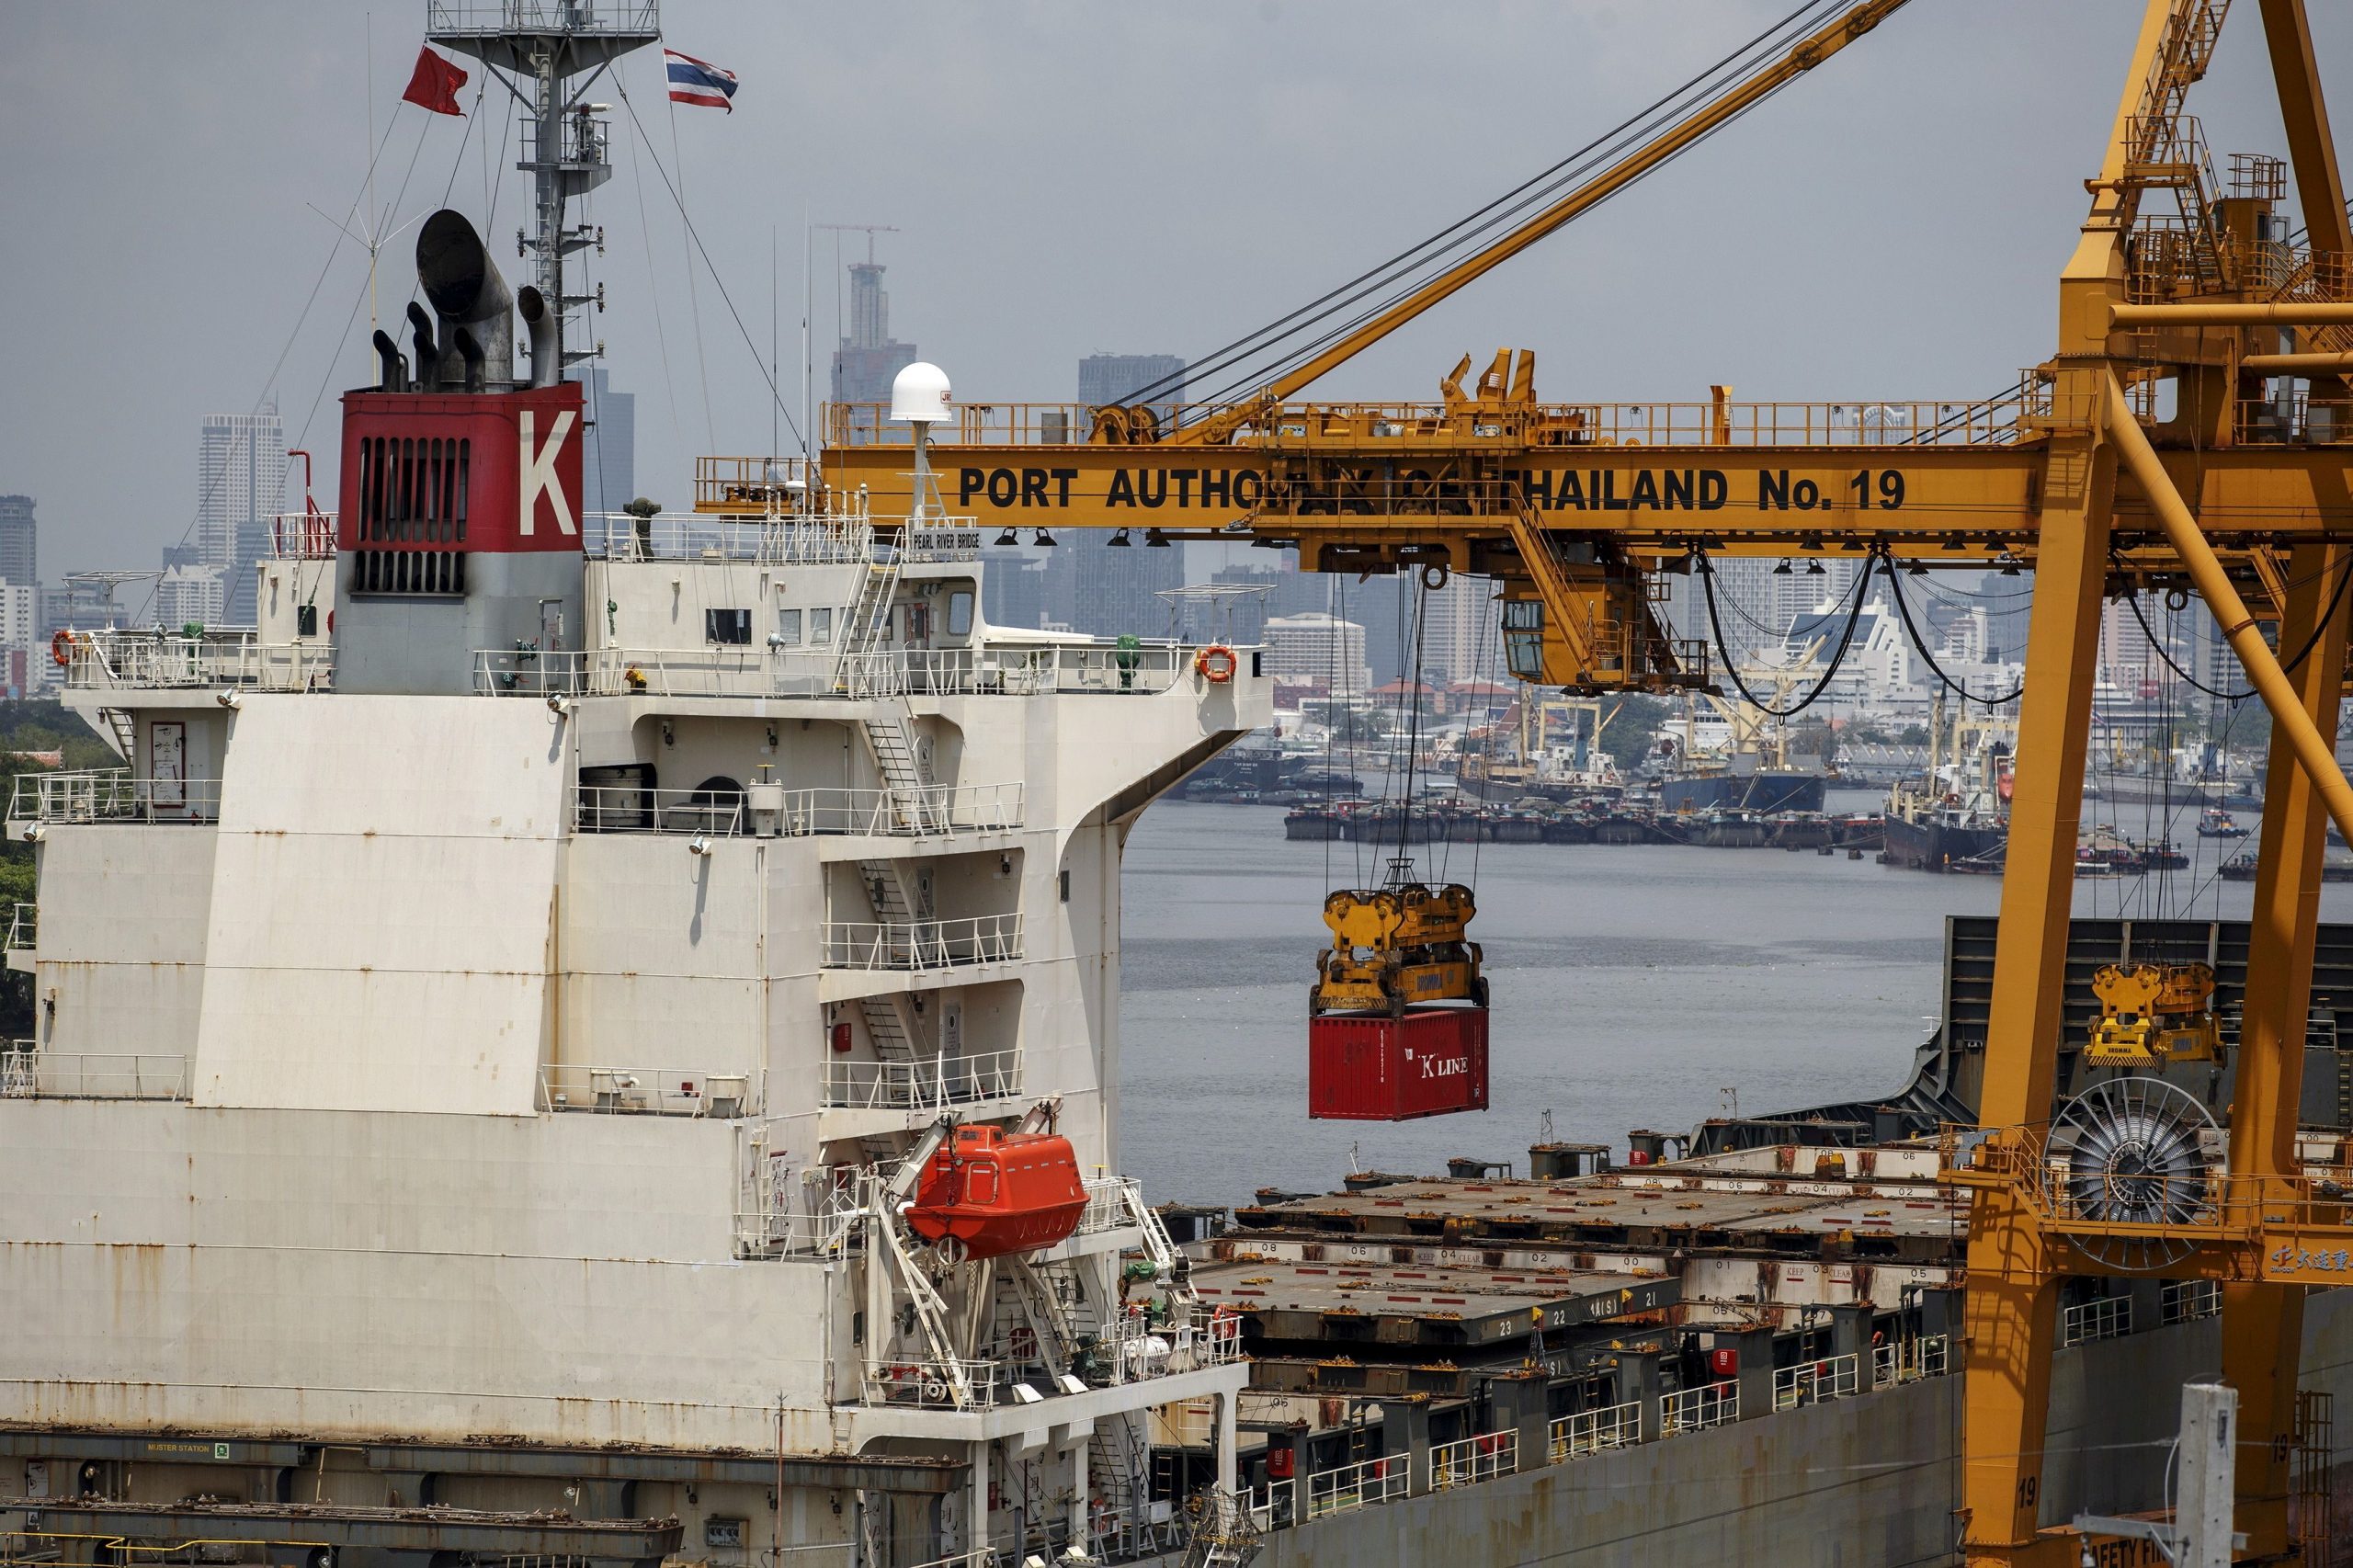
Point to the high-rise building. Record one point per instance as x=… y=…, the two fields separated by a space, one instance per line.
x=241 y=477
x=1458 y=632
x=20 y=553
x=1108 y=590
x=869 y=358
x=1013 y=592
x=1117 y=378
x=19 y=632
x=608 y=470
x=191 y=596
x=1317 y=650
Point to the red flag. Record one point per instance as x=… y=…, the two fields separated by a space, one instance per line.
x=434 y=84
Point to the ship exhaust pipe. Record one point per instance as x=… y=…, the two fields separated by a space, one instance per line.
x=390 y=376
x=540 y=322
x=466 y=290
x=471 y=352
x=429 y=357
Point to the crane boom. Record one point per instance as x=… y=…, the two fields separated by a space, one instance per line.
x=1802 y=57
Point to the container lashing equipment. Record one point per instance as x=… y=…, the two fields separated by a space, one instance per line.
x=1397 y=946
x=2152 y=1014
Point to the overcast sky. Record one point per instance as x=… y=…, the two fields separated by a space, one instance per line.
x=1066 y=178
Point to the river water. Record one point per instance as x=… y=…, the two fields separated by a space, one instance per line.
x=1633 y=986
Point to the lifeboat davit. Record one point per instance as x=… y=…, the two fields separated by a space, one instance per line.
x=988 y=1192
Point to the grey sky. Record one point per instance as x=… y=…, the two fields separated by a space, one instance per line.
x=1068 y=179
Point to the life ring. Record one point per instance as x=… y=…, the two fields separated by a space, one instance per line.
x=61 y=648
x=1216 y=663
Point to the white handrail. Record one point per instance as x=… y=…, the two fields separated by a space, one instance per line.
x=752 y=669
x=1809 y=1382
x=922 y=945
x=926 y=1084
x=928 y=812
x=111 y=659
x=1469 y=1460
x=112 y=794
x=1358 y=1485
x=1694 y=1409
x=30 y=1072
x=1591 y=1431
x=651 y=1091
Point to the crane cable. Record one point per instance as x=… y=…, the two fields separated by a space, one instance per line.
x=1540 y=187
x=2335 y=602
x=1895 y=588
x=1731 y=667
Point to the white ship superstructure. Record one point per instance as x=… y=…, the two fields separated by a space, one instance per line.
x=493 y=1023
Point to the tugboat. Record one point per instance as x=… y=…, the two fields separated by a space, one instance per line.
x=2216 y=823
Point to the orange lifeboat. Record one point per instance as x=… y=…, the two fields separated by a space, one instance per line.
x=988 y=1192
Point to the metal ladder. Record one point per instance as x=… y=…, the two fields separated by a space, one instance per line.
x=1115 y=1475
x=892 y=1032
x=869 y=620
x=901 y=768
x=125 y=737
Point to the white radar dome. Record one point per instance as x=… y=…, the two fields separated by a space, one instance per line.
x=919 y=392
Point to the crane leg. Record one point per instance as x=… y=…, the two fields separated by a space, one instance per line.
x=2263 y=1324
x=2012 y=1290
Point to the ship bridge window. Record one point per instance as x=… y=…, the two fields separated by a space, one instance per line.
x=727 y=626
x=821 y=627
x=788 y=629
x=959 y=615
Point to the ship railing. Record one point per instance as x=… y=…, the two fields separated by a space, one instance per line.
x=935 y=1384
x=2178 y=1300
x=1272 y=1505
x=24 y=928
x=28 y=1072
x=993 y=668
x=1358 y=1485
x=1810 y=1382
x=1466 y=1461
x=930 y=810
x=302 y=536
x=1097 y=668
x=1108 y=1205
x=592 y=17
x=2109 y=1317
x=1134 y=1350
x=841 y=535
x=1591 y=1431
x=111 y=794
x=158 y=660
x=1907 y=1360
x=1696 y=1410
x=922 y=945
x=651 y=1091
x=928 y=1084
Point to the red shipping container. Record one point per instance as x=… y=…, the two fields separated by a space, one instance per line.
x=1365 y=1067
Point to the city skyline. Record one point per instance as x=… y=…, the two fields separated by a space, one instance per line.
x=1026 y=242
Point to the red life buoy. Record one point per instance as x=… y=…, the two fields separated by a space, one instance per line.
x=61 y=648
x=1216 y=663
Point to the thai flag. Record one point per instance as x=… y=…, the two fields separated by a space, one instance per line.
x=695 y=81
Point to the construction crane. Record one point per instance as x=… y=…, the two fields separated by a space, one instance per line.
x=2188 y=429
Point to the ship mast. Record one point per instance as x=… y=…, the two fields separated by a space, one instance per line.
x=548 y=53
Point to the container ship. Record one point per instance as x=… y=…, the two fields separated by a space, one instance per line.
x=590 y=1041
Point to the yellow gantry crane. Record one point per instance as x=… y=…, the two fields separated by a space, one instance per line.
x=2191 y=427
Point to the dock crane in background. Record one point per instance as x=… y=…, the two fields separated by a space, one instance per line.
x=2191 y=427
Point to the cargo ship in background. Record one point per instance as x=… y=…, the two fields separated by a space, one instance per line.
x=1955 y=815
x=586 y=1041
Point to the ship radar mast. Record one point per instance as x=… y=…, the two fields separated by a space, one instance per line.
x=548 y=53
